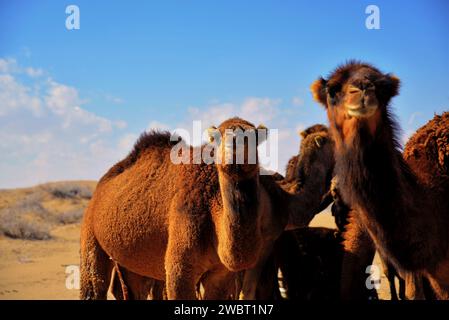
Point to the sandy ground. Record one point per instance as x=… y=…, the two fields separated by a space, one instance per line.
x=37 y=269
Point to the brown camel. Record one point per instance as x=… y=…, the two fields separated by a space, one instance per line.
x=292 y=172
x=316 y=152
x=310 y=174
x=178 y=222
x=175 y=222
x=404 y=210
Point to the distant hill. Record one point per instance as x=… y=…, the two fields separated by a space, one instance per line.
x=31 y=213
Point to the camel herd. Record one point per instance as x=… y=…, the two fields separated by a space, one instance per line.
x=159 y=230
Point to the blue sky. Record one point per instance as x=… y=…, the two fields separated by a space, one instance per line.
x=73 y=102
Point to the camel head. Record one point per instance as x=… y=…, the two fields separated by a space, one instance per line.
x=311 y=176
x=315 y=154
x=316 y=157
x=313 y=129
x=237 y=142
x=356 y=95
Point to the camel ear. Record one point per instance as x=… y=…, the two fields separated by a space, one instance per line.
x=387 y=86
x=318 y=89
x=319 y=141
x=302 y=133
x=212 y=133
x=262 y=133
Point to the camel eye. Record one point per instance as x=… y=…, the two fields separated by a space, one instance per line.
x=353 y=90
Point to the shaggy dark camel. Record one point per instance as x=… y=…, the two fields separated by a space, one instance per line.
x=309 y=178
x=293 y=171
x=358 y=247
x=310 y=262
x=404 y=210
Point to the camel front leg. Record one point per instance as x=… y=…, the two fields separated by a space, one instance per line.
x=218 y=285
x=181 y=282
x=182 y=259
x=359 y=251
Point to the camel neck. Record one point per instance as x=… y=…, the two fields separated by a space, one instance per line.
x=377 y=183
x=238 y=226
x=240 y=197
x=303 y=203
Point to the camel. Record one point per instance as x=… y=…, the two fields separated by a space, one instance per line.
x=400 y=201
x=316 y=153
x=310 y=174
x=176 y=223
x=310 y=261
x=292 y=172
x=415 y=288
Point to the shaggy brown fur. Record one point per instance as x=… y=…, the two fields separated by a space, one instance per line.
x=427 y=151
x=292 y=171
x=311 y=174
x=359 y=250
x=405 y=212
x=178 y=222
x=321 y=168
x=316 y=163
x=175 y=222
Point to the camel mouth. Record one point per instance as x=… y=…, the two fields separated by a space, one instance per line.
x=360 y=111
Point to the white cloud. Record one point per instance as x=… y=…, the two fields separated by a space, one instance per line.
x=297 y=101
x=127 y=141
x=32 y=72
x=8 y=65
x=46 y=133
x=14 y=95
x=258 y=110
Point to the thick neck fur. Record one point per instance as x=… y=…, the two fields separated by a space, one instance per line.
x=379 y=185
x=239 y=237
x=304 y=201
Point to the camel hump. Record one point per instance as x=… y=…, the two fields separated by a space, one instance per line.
x=429 y=146
x=152 y=139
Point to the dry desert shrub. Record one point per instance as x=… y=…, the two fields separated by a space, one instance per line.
x=31 y=217
x=17 y=225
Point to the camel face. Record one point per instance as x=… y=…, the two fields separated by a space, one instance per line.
x=237 y=142
x=316 y=156
x=359 y=98
x=356 y=96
